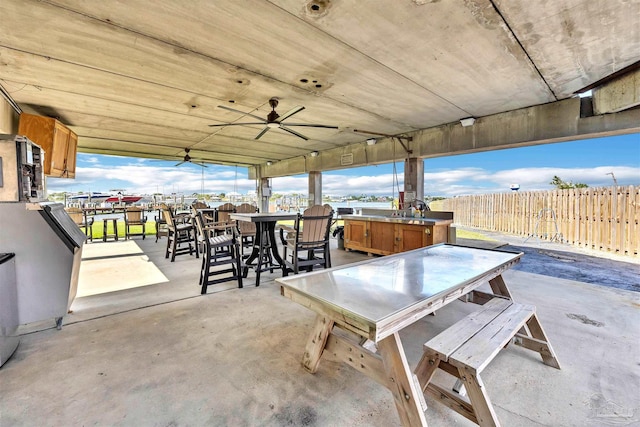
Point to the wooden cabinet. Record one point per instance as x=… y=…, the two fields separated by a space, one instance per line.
x=356 y=235
x=385 y=238
x=57 y=140
x=72 y=148
x=409 y=237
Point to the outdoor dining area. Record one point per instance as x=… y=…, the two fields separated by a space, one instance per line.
x=362 y=341
x=238 y=237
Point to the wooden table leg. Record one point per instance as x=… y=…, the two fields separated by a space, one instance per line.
x=406 y=392
x=316 y=343
x=533 y=327
x=499 y=287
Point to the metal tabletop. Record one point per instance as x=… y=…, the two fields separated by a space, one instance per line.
x=381 y=291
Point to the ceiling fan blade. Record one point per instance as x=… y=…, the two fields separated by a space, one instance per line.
x=299 y=135
x=238 y=124
x=313 y=125
x=242 y=112
x=200 y=164
x=266 y=128
x=290 y=113
x=178 y=164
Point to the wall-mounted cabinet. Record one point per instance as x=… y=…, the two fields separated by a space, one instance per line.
x=58 y=141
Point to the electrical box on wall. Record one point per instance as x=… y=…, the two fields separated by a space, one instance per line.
x=21 y=177
x=266 y=191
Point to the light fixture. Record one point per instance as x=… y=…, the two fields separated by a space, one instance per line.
x=469 y=121
x=371 y=141
x=314 y=154
x=269 y=163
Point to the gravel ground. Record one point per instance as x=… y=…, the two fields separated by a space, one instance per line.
x=568 y=262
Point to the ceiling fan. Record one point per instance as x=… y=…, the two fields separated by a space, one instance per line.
x=274 y=120
x=188 y=159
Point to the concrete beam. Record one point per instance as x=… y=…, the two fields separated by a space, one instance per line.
x=543 y=124
x=620 y=94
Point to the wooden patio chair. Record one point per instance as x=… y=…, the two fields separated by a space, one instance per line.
x=85 y=223
x=220 y=248
x=247 y=229
x=224 y=212
x=307 y=244
x=180 y=232
x=134 y=216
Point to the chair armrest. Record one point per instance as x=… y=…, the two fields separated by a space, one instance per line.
x=219 y=226
x=182 y=217
x=287 y=240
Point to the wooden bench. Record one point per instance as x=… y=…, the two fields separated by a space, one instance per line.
x=467 y=347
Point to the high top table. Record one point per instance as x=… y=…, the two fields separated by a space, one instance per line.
x=376 y=299
x=265 y=245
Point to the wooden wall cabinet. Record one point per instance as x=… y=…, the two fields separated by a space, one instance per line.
x=58 y=141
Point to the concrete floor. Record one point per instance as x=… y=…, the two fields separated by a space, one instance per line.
x=159 y=354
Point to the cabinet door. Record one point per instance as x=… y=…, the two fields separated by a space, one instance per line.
x=356 y=235
x=413 y=237
x=383 y=237
x=70 y=165
x=60 y=148
x=40 y=130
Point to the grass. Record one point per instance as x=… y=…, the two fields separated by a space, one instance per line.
x=151 y=230
x=466 y=234
x=97 y=229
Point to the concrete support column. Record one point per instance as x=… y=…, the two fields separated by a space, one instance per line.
x=315 y=188
x=264 y=193
x=414 y=177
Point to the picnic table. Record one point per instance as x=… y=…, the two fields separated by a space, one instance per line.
x=376 y=299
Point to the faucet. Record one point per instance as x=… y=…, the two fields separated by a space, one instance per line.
x=420 y=206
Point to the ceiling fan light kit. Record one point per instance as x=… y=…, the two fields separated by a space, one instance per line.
x=274 y=120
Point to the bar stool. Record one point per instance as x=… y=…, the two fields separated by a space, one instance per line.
x=115 y=228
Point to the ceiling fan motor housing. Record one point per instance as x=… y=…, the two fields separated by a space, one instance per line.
x=272 y=117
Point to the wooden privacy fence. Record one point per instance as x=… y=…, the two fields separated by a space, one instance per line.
x=603 y=219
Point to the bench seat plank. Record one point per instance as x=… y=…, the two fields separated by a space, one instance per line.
x=479 y=350
x=448 y=341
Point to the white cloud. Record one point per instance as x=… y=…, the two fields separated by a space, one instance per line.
x=147 y=178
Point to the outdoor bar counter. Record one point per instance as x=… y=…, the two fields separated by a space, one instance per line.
x=386 y=234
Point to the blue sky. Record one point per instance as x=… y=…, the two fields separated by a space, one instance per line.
x=586 y=161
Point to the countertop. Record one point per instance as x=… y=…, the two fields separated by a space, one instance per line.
x=398 y=219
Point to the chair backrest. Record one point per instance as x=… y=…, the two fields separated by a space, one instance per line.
x=316 y=221
x=199 y=221
x=76 y=215
x=247 y=228
x=134 y=214
x=224 y=212
x=199 y=205
x=167 y=214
